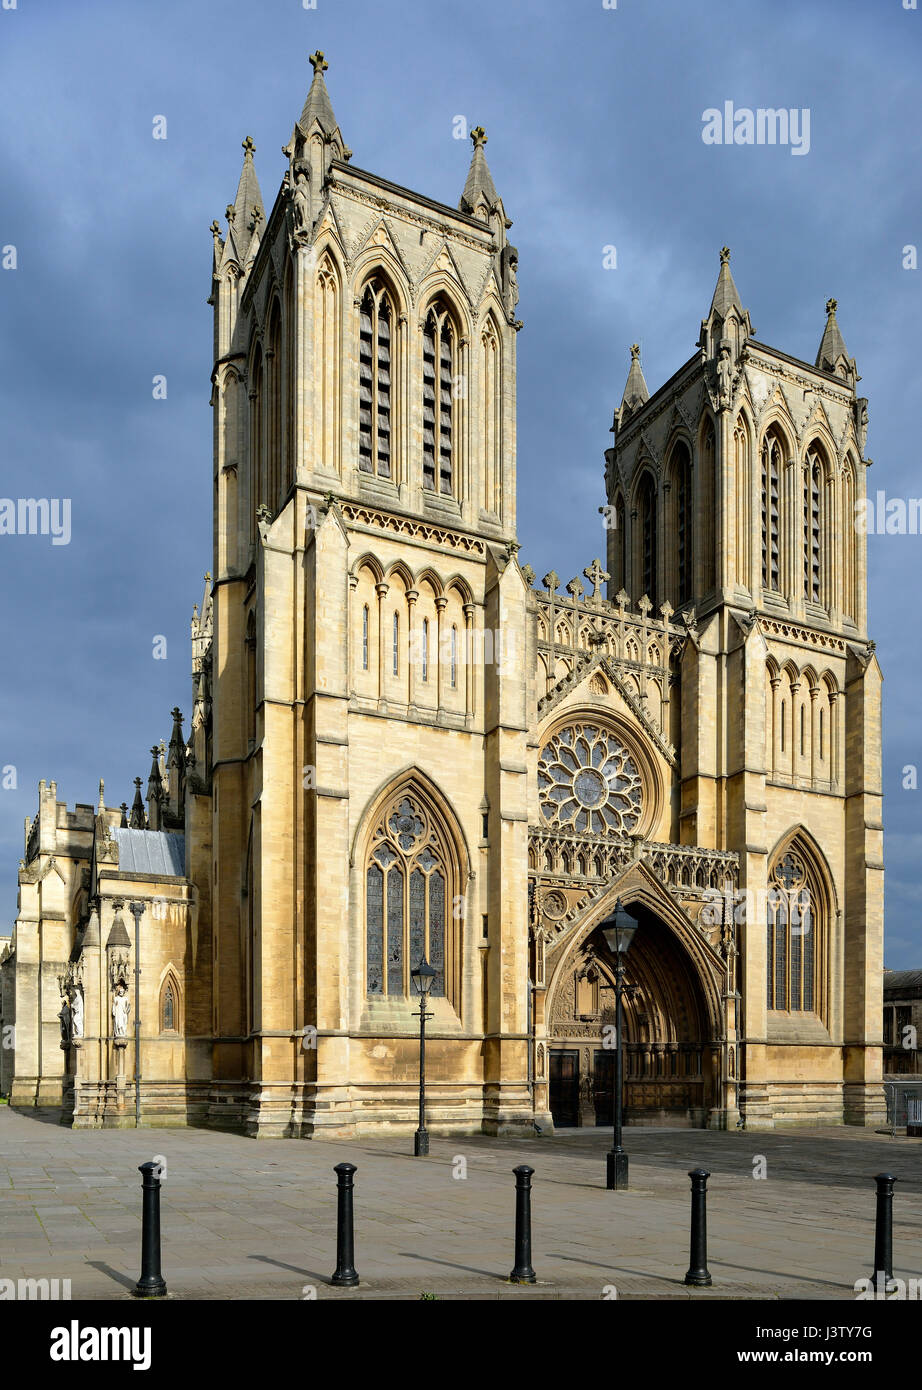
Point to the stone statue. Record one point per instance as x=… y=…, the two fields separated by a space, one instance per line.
x=510 y=280
x=301 y=200
x=121 y=1008
x=76 y=1008
x=65 y=1017
x=861 y=422
x=724 y=375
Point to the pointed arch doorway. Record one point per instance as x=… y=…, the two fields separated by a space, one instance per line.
x=671 y=1034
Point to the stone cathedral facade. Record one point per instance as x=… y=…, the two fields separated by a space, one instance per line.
x=401 y=745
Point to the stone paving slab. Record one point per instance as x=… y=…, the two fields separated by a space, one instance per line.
x=256 y=1219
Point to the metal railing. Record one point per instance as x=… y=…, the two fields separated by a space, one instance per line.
x=904 y=1104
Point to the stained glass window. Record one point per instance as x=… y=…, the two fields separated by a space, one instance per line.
x=406 y=893
x=793 y=921
x=588 y=781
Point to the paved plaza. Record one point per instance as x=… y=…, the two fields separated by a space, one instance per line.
x=256 y=1219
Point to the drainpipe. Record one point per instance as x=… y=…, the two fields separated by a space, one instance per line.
x=137 y=911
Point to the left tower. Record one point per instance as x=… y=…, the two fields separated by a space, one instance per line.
x=368 y=699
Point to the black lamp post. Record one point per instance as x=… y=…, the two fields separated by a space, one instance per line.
x=618 y=931
x=422 y=978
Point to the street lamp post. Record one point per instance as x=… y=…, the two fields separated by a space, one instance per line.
x=618 y=931
x=422 y=977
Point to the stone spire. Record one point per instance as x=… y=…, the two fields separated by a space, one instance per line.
x=318 y=106
x=728 y=324
x=246 y=215
x=726 y=295
x=155 y=792
x=138 y=818
x=635 y=389
x=318 y=110
x=833 y=354
x=176 y=763
x=480 y=194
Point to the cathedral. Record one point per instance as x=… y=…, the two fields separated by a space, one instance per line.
x=402 y=744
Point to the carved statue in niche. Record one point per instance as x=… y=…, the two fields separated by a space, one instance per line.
x=121 y=1008
x=65 y=1016
x=510 y=261
x=76 y=1008
x=301 y=198
x=724 y=377
x=861 y=422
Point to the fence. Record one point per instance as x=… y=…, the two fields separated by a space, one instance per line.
x=901 y=1096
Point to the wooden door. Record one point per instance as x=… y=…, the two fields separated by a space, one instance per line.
x=564 y=1087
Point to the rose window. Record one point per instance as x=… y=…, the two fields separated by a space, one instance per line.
x=588 y=781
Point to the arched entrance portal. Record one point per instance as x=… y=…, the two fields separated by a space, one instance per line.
x=671 y=1051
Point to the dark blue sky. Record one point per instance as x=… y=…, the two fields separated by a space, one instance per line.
x=595 y=118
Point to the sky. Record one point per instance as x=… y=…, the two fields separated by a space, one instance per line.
x=594 y=117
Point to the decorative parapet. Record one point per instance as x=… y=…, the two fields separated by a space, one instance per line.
x=588 y=859
x=588 y=622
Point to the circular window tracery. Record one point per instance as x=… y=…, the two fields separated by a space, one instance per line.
x=588 y=781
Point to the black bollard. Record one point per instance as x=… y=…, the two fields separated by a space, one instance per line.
x=345 y=1276
x=883 y=1229
x=150 y=1284
x=523 y=1272
x=698 y=1273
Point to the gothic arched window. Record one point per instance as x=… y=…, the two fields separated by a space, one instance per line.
x=438 y=401
x=410 y=882
x=376 y=318
x=771 y=483
x=813 y=528
x=682 y=494
x=646 y=503
x=169 y=1006
x=795 y=934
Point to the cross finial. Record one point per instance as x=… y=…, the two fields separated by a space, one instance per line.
x=635 y=351
x=215 y=228
x=318 y=62
x=725 y=255
x=249 y=149
x=595 y=574
x=551 y=581
x=831 y=306
x=230 y=212
x=479 y=136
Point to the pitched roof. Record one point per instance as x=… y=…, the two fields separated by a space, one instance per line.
x=161 y=852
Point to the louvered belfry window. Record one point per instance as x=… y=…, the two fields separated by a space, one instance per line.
x=770 y=539
x=438 y=401
x=683 y=527
x=812 y=529
x=375 y=320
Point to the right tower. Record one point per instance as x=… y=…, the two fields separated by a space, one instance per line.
x=731 y=491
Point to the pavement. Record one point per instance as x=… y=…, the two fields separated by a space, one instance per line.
x=256 y=1219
